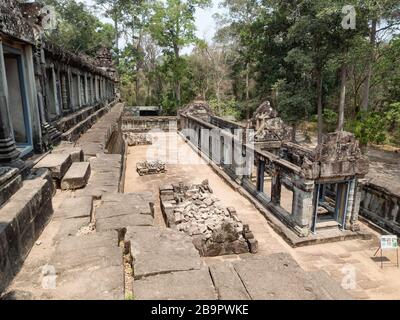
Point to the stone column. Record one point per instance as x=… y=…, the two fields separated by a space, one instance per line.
x=353 y=205
x=85 y=80
x=8 y=149
x=303 y=195
x=260 y=175
x=276 y=186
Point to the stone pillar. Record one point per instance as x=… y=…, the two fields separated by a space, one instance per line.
x=260 y=175
x=64 y=93
x=302 y=215
x=276 y=186
x=353 y=205
x=85 y=80
x=8 y=149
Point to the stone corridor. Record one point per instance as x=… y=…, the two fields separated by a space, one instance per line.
x=337 y=259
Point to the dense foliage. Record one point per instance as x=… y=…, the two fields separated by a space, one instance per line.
x=315 y=60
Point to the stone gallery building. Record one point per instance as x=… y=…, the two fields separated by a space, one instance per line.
x=312 y=194
x=48 y=97
x=41 y=85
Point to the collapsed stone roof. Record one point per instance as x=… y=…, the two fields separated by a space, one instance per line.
x=20 y=20
x=265 y=111
x=197 y=108
x=268 y=125
x=339 y=155
x=81 y=60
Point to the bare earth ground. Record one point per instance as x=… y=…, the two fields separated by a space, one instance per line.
x=338 y=259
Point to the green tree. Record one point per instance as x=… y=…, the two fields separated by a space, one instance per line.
x=173 y=27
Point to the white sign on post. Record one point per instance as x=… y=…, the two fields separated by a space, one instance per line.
x=389 y=242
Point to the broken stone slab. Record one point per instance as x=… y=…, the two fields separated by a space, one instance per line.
x=65 y=147
x=111 y=218
x=77 y=207
x=227 y=282
x=143 y=202
x=77 y=176
x=98 y=249
x=58 y=164
x=277 y=277
x=159 y=250
x=183 y=285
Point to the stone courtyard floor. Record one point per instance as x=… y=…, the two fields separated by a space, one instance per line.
x=348 y=262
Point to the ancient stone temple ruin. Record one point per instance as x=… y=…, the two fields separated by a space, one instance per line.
x=215 y=230
x=308 y=190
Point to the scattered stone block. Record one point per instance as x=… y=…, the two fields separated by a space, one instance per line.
x=58 y=164
x=138 y=139
x=77 y=176
x=76 y=153
x=150 y=167
x=194 y=210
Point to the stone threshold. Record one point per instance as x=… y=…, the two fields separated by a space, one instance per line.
x=277 y=225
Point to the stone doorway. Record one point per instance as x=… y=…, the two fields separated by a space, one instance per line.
x=331 y=205
x=17 y=99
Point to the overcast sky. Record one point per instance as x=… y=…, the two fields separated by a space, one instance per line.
x=205 y=23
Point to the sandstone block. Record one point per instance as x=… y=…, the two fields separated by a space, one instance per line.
x=77 y=176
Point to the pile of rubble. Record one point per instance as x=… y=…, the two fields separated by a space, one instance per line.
x=138 y=139
x=215 y=230
x=150 y=167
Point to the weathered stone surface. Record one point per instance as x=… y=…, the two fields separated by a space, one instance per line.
x=183 y=285
x=119 y=211
x=99 y=249
x=77 y=176
x=58 y=164
x=9 y=188
x=126 y=202
x=227 y=282
x=276 y=277
x=78 y=207
x=120 y=222
x=157 y=251
x=22 y=220
x=105 y=176
x=76 y=153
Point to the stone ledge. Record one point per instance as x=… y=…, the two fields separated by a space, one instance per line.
x=22 y=220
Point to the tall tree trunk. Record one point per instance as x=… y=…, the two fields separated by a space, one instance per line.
x=367 y=84
x=178 y=81
x=116 y=36
x=247 y=92
x=319 y=103
x=343 y=73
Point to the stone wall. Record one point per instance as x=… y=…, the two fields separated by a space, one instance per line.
x=22 y=220
x=380 y=203
x=144 y=124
